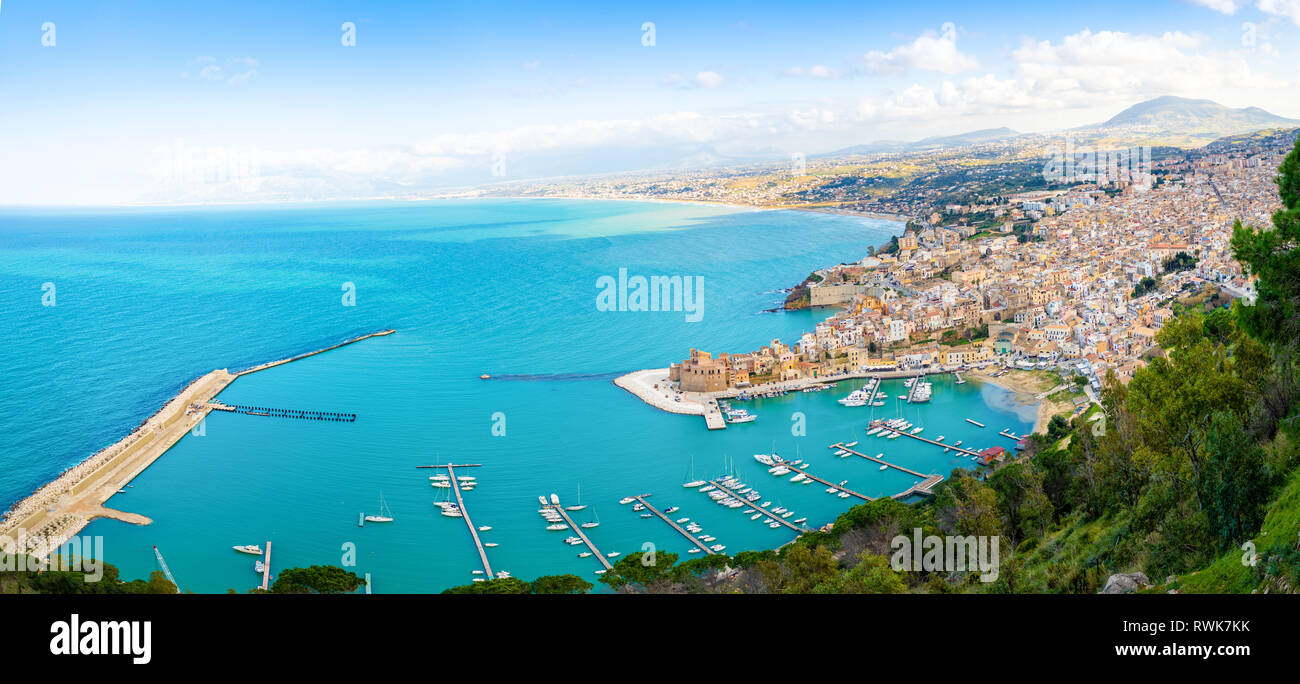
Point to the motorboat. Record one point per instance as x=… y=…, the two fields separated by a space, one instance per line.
x=250 y=548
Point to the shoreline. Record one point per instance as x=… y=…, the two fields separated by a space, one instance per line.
x=1026 y=387
x=58 y=510
x=641 y=384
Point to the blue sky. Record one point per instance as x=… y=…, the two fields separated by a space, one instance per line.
x=432 y=93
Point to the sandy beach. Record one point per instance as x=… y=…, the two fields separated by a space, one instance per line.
x=1027 y=386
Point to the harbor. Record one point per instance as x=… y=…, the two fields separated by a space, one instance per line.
x=555 y=505
x=456 y=487
x=758 y=509
x=695 y=543
x=62 y=508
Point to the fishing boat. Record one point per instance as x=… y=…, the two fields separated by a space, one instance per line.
x=250 y=548
x=384 y=515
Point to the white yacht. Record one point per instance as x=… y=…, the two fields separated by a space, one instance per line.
x=251 y=548
x=384 y=514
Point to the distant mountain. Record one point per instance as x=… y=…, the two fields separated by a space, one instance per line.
x=1182 y=115
x=972 y=138
x=960 y=140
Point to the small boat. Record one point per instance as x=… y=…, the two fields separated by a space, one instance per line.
x=766 y=504
x=671 y=509
x=831 y=490
x=611 y=554
x=594 y=522
x=884 y=467
x=383 y=509
x=626 y=500
x=693 y=551
x=476 y=572
x=121 y=491
x=800 y=520
x=484 y=528
x=489 y=544
x=251 y=548
x=939 y=438
x=585 y=554
x=259 y=567
x=541 y=499
x=646 y=515
x=756 y=516
x=852 y=444
x=557 y=527
x=844 y=495
x=441 y=484
x=555 y=500
x=600 y=571
x=484 y=376
x=682 y=521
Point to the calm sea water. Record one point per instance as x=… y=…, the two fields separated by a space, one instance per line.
x=147 y=300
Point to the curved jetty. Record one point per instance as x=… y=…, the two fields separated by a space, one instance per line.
x=60 y=509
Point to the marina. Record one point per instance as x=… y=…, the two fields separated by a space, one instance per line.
x=696 y=543
x=460 y=501
x=828 y=483
x=759 y=509
x=577 y=529
x=905 y=433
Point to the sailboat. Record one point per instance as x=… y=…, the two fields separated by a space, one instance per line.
x=578 y=506
x=385 y=515
x=692 y=483
x=594 y=522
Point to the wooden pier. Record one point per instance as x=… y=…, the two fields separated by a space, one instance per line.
x=958 y=449
x=464 y=512
x=1011 y=435
x=689 y=537
x=828 y=483
x=921 y=488
x=581 y=535
x=757 y=508
x=266 y=567
x=881 y=461
x=975 y=423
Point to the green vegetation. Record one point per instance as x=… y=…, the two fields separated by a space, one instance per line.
x=317 y=579
x=1146 y=285
x=73 y=582
x=1181 y=261
x=546 y=584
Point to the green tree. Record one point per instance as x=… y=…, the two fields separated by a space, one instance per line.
x=1272 y=256
x=872 y=575
x=642 y=572
x=317 y=579
x=561 y=584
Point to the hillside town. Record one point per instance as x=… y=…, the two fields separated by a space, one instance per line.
x=1077 y=281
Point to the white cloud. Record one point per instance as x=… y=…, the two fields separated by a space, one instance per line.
x=1282 y=8
x=708 y=79
x=929 y=52
x=1222 y=6
x=816 y=71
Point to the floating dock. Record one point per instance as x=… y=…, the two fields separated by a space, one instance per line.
x=464 y=512
x=689 y=537
x=909 y=471
x=975 y=423
x=581 y=535
x=266 y=567
x=757 y=508
x=1011 y=435
x=828 y=483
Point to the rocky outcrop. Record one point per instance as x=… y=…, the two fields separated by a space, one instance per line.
x=1126 y=583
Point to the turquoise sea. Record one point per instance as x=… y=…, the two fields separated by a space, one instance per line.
x=145 y=300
